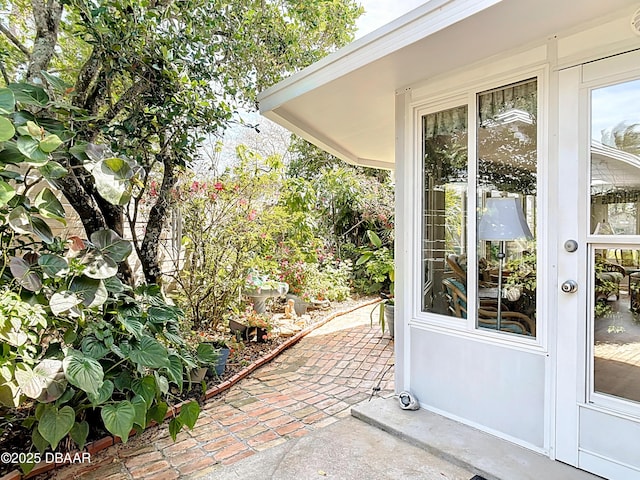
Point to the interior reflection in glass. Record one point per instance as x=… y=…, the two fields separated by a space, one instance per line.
x=507 y=195
x=444 y=209
x=615 y=197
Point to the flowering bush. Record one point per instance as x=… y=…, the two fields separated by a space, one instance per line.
x=325 y=280
x=227 y=223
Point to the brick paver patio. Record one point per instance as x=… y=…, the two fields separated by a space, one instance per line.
x=307 y=387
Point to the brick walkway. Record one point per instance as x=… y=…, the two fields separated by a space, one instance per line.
x=307 y=387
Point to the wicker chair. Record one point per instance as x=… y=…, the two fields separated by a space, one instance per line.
x=458 y=266
x=514 y=322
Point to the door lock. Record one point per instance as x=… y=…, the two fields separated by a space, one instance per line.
x=570 y=286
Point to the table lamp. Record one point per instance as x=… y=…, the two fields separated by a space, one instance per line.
x=503 y=220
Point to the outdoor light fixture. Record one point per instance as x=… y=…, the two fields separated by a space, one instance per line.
x=408 y=401
x=503 y=220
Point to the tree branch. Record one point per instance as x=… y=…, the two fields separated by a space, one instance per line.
x=136 y=90
x=13 y=39
x=5 y=76
x=47 y=19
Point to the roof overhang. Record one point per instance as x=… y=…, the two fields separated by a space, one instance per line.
x=345 y=103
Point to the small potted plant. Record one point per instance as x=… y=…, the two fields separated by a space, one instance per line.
x=257 y=325
x=386 y=314
x=379 y=265
x=213 y=351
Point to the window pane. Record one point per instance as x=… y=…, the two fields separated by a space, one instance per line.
x=444 y=218
x=615 y=198
x=615 y=160
x=506 y=189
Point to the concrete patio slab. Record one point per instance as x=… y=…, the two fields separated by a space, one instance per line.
x=467 y=447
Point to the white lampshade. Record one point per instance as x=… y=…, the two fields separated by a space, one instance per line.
x=503 y=219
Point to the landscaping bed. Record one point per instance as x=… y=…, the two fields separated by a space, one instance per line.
x=241 y=362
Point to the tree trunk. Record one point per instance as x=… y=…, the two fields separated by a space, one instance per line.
x=47 y=19
x=149 y=248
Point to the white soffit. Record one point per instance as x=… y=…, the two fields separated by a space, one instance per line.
x=345 y=102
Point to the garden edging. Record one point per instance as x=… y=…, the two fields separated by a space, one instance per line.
x=107 y=441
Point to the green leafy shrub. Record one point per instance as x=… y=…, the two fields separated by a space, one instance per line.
x=79 y=349
x=378 y=265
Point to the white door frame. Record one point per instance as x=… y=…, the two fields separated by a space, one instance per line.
x=584 y=429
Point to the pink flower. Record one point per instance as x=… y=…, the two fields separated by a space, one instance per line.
x=252 y=215
x=153 y=188
x=218 y=186
x=243 y=201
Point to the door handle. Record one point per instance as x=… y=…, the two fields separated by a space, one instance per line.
x=569 y=286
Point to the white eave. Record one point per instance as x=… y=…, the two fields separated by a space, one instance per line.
x=345 y=103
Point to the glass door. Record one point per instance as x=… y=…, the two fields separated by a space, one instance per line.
x=598 y=326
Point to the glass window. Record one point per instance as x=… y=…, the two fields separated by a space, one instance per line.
x=615 y=159
x=504 y=257
x=615 y=197
x=506 y=200
x=444 y=222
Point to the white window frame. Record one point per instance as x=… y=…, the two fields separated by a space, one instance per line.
x=467 y=95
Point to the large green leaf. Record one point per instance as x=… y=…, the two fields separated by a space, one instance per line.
x=157 y=412
x=55 y=424
x=114 y=285
x=150 y=353
x=145 y=387
x=104 y=394
x=79 y=433
x=53 y=170
x=99 y=266
x=9 y=394
x=175 y=370
x=40 y=443
x=29 y=94
x=6 y=129
x=63 y=301
x=92 y=292
x=93 y=347
x=49 y=206
x=6 y=193
x=49 y=143
x=374 y=238
x=58 y=84
x=207 y=354
x=140 y=406
x=48 y=378
x=175 y=425
x=7 y=101
x=24 y=275
x=189 y=413
x=30 y=148
x=83 y=372
x=22 y=222
x=132 y=326
x=41 y=229
x=11 y=154
x=113 y=180
x=111 y=245
x=53 y=265
x=118 y=418
x=163 y=314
